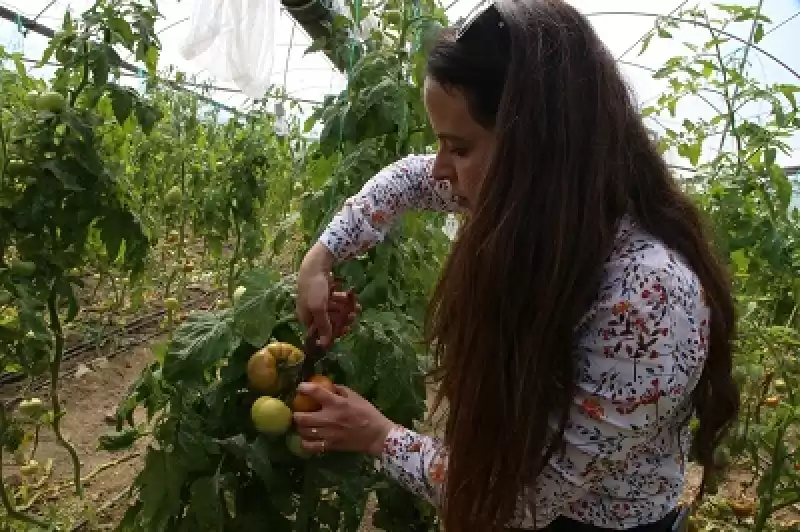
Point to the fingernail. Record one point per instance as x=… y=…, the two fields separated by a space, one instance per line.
x=305 y=387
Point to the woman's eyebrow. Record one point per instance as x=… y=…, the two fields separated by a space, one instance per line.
x=451 y=137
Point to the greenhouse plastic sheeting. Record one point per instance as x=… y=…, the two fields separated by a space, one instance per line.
x=234 y=40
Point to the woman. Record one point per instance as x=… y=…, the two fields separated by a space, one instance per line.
x=581 y=318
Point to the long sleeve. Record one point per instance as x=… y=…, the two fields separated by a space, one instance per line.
x=366 y=218
x=641 y=350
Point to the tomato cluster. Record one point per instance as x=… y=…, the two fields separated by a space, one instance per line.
x=274 y=368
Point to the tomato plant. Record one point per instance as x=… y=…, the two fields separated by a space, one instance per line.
x=210 y=464
x=57 y=193
x=735 y=177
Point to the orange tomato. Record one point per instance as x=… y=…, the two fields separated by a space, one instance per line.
x=305 y=403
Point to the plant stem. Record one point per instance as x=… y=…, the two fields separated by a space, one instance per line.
x=55 y=369
x=778 y=456
x=35 y=445
x=731 y=126
x=308 y=502
x=743 y=62
x=234 y=260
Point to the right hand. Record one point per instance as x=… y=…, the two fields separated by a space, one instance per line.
x=316 y=302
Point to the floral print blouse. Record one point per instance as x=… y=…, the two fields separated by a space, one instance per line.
x=641 y=349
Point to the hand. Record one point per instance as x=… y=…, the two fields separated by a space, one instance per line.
x=346 y=422
x=318 y=307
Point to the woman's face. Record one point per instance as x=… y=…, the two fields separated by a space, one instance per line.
x=464 y=145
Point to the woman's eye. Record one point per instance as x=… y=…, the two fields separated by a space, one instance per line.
x=459 y=152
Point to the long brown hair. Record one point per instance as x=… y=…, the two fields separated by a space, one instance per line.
x=572 y=158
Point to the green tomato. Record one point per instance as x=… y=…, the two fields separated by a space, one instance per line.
x=9 y=319
x=293 y=443
x=32 y=408
x=23 y=268
x=171 y=304
x=32 y=98
x=271 y=415
x=52 y=101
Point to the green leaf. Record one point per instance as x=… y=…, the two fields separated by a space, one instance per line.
x=79 y=125
x=20 y=68
x=646 y=42
x=110 y=235
x=199 y=344
x=205 y=505
x=740 y=260
x=782 y=186
x=317 y=45
x=65 y=290
x=265 y=298
x=159 y=485
x=67 y=180
x=693 y=152
x=100 y=64
x=758 y=34
x=147 y=116
x=116 y=441
x=788 y=92
x=122 y=103
x=258 y=459
x=121 y=27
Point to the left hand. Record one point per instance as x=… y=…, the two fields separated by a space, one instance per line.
x=346 y=422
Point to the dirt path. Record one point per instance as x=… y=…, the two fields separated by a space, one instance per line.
x=90 y=400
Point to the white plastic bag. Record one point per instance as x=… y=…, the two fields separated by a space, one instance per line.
x=235 y=41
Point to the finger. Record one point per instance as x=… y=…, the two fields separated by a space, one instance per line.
x=310 y=420
x=322 y=325
x=311 y=433
x=318 y=393
x=343 y=391
x=315 y=446
x=303 y=315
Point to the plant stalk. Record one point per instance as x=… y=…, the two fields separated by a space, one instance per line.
x=55 y=370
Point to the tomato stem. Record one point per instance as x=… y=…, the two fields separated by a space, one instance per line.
x=308 y=503
x=55 y=369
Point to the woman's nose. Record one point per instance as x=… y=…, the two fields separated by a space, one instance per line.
x=442 y=170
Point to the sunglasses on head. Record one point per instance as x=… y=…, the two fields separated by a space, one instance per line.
x=483 y=17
